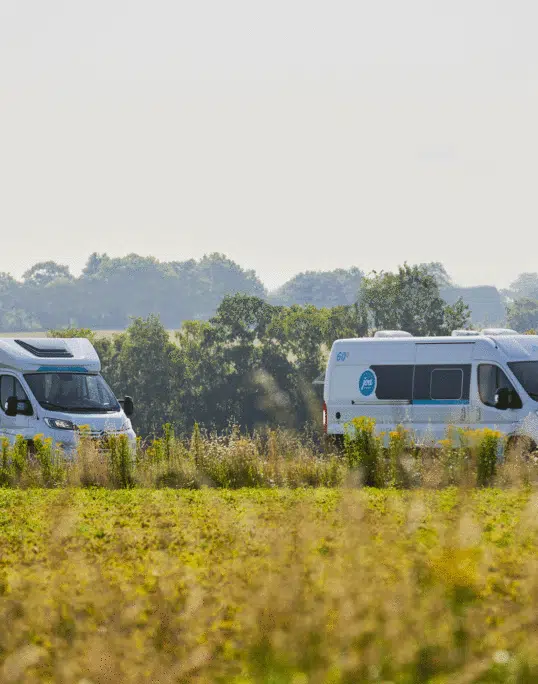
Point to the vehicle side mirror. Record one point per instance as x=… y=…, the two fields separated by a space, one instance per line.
x=11 y=407
x=128 y=406
x=505 y=398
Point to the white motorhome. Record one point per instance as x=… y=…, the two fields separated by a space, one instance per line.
x=475 y=380
x=52 y=386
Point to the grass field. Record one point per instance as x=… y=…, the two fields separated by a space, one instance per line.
x=319 y=585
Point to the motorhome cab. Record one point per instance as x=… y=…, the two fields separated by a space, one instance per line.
x=53 y=386
x=476 y=380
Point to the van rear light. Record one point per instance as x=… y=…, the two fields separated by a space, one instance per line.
x=324 y=417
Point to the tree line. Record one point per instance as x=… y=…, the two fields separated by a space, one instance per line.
x=253 y=363
x=111 y=291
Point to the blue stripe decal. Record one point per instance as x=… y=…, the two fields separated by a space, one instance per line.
x=440 y=402
x=59 y=369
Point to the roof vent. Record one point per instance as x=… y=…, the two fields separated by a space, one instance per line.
x=46 y=349
x=495 y=332
x=464 y=333
x=392 y=333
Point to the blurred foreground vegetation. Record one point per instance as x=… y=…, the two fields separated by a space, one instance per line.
x=270 y=458
x=325 y=585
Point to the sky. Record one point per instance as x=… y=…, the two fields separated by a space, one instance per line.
x=290 y=135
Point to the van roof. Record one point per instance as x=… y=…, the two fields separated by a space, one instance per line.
x=471 y=339
x=75 y=354
x=515 y=347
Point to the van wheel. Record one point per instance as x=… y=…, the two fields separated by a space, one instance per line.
x=521 y=443
x=339 y=442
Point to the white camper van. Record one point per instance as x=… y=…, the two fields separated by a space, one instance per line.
x=52 y=386
x=476 y=380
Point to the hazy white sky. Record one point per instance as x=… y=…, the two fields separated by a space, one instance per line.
x=289 y=134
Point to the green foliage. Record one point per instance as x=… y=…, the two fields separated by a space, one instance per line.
x=258 y=585
x=399 y=449
x=44 y=273
x=525 y=286
x=73 y=332
x=437 y=270
x=364 y=450
x=271 y=458
x=490 y=443
x=44 y=454
x=147 y=369
x=322 y=289
x=19 y=456
x=409 y=300
x=251 y=364
x=456 y=317
x=120 y=461
x=523 y=314
x=111 y=291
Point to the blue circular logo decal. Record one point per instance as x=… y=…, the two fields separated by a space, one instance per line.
x=367 y=383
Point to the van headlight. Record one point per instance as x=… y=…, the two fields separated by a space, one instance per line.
x=60 y=424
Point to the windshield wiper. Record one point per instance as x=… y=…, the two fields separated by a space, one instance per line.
x=90 y=409
x=77 y=409
x=52 y=407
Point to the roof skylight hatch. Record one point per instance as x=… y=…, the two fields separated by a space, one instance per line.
x=46 y=349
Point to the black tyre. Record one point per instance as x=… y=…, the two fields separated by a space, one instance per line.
x=521 y=444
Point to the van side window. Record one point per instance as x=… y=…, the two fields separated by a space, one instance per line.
x=11 y=387
x=394 y=382
x=442 y=382
x=490 y=379
x=446 y=383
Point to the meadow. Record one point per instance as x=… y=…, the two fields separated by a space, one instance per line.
x=269 y=585
x=266 y=558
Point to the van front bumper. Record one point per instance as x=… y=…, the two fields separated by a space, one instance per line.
x=69 y=443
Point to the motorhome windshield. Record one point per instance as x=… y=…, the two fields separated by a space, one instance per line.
x=527 y=374
x=72 y=392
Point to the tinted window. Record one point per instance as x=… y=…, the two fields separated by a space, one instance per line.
x=527 y=374
x=446 y=383
x=394 y=382
x=438 y=383
x=490 y=379
x=10 y=387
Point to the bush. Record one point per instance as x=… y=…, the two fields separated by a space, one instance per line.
x=270 y=458
x=363 y=450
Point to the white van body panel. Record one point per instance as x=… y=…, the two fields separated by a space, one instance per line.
x=25 y=358
x=416 y=371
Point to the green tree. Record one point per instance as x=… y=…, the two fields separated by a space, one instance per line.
x=439 y=273
x=46 y=272
x=13 y=315
x=94 y=264
x=522 y=315
x=323 y=289
x=345 y=321
x=457 y=316
x=407 y=300
x=525 y=286
x=147 y=370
